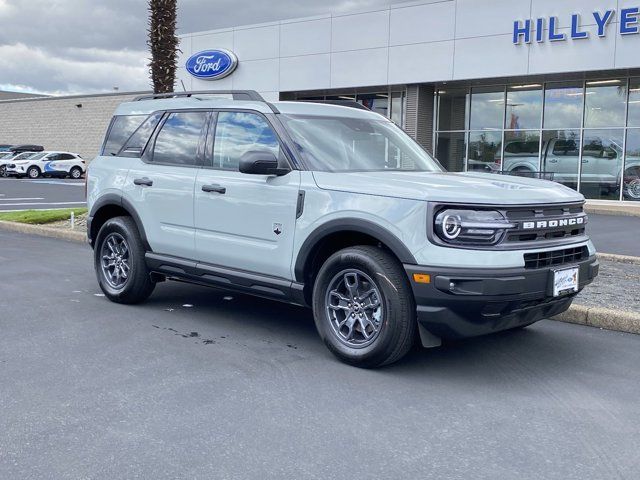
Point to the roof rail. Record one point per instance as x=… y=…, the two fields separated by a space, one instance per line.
x=251 y=95
x=343 y=103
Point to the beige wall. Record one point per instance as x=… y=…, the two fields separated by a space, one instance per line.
x=58 y=124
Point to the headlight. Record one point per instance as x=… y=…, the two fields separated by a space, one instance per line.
x=471 y=227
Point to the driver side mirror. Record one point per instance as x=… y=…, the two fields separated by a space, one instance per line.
x=261 y=162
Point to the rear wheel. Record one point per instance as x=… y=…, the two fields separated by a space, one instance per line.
x=75 y=173
x=363 y=307
x=33 y=172
x=3 y=171
x=119 y=262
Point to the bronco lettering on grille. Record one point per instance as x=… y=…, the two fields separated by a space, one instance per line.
x=542 y=224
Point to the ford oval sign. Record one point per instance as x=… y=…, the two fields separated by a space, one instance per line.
x=212 y=64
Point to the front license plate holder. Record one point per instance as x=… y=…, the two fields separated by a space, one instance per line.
x=565 y=281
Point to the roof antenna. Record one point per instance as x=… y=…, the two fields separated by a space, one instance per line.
x=183 y=87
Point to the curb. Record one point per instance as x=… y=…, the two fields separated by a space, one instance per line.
x=43 y=231
x=617 y=320
x=619 y=258
x=613 y=210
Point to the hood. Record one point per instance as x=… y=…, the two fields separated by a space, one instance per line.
x=467 y=188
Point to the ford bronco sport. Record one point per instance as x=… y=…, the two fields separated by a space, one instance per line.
x=331 y=207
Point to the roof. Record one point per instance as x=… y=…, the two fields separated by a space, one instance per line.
x=145 y=107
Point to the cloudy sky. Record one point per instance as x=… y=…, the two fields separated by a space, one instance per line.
x=82 y=46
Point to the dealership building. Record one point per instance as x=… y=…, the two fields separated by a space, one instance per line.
x=543 y=88
x=547 y=88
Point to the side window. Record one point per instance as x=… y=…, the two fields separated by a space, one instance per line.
x=52 y=157
x=121 y=129
x=135 y=145
x=65 y=156
x=177 y=141
x=238 y=133
x=568 y=148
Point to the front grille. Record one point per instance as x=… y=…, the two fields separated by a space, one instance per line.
x=555 y=258
x=545 y=223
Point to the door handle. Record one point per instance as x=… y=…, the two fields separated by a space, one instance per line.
x=214 y=189
x=585 y=161
x=553 y=160
x=145 y=182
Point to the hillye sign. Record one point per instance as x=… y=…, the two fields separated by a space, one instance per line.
x=550 y=29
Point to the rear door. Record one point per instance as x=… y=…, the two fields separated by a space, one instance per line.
x=245 y=222
x=160 y=184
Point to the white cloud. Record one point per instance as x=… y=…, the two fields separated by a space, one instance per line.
x=82 y=46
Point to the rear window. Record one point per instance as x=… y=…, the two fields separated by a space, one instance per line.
x=121 y=129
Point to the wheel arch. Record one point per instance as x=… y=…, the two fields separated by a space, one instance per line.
x=110 y=206
x=341 y=233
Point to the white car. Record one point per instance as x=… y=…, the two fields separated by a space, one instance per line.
x=50 y=164
x=8 y=158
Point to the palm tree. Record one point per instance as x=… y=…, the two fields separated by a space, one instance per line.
x=163 y=44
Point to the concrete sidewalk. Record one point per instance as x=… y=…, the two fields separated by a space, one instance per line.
x=613 y=207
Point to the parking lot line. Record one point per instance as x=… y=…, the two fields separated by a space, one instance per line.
x=19 y=199
x=40 y=203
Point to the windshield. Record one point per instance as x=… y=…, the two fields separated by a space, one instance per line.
x=339 y=144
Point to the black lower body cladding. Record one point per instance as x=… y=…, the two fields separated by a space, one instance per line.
x=467 y=302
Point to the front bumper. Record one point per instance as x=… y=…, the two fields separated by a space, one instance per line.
x=467 y=302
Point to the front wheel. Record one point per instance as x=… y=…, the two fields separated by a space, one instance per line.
x=364 y=308
x=632 y=184
x=119 y=261
x=75 y=173
x=3 y=171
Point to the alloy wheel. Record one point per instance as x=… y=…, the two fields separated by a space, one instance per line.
x=115 y=260
x=354 y=308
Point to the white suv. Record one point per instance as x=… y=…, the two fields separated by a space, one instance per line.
x=50 y=164
x=331 y=207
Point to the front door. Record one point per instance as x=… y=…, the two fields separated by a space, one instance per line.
x=245 y=222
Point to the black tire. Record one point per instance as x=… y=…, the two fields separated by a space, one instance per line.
x=33 y=172
x=395 y=334
x=75 y=173
x=3 y=171
x=138 y=285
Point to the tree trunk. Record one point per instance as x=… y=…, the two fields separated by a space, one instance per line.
x=163 y=44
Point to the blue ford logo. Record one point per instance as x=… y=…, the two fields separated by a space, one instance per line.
x=212 y=64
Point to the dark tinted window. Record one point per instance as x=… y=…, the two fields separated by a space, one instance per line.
x=139 y=139
x=523 y=147
x=177 y=141
x=566 y=147
x=121 y=129
x=66 y=156
x=238 y=133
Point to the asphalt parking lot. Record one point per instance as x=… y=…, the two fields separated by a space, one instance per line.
x=46 y=193
x=198 y=383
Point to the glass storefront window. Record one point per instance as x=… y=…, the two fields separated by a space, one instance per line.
x=631 y=177
x=376 y=102
x=524 y=107
x=634 y=102
x=487 y=108
x=601 y=164
x=452 y=109
x=485 y=151
x=605 y=103
x=397 y=108
x=560 y=156
x=521 y=152
x=450 y=150
x=563 y=105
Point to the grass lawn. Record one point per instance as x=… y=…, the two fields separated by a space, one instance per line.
x=39 y=217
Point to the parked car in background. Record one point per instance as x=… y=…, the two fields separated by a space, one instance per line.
x=26 y=148
x=48 y=164
x=11 y=158
x=601 y=163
